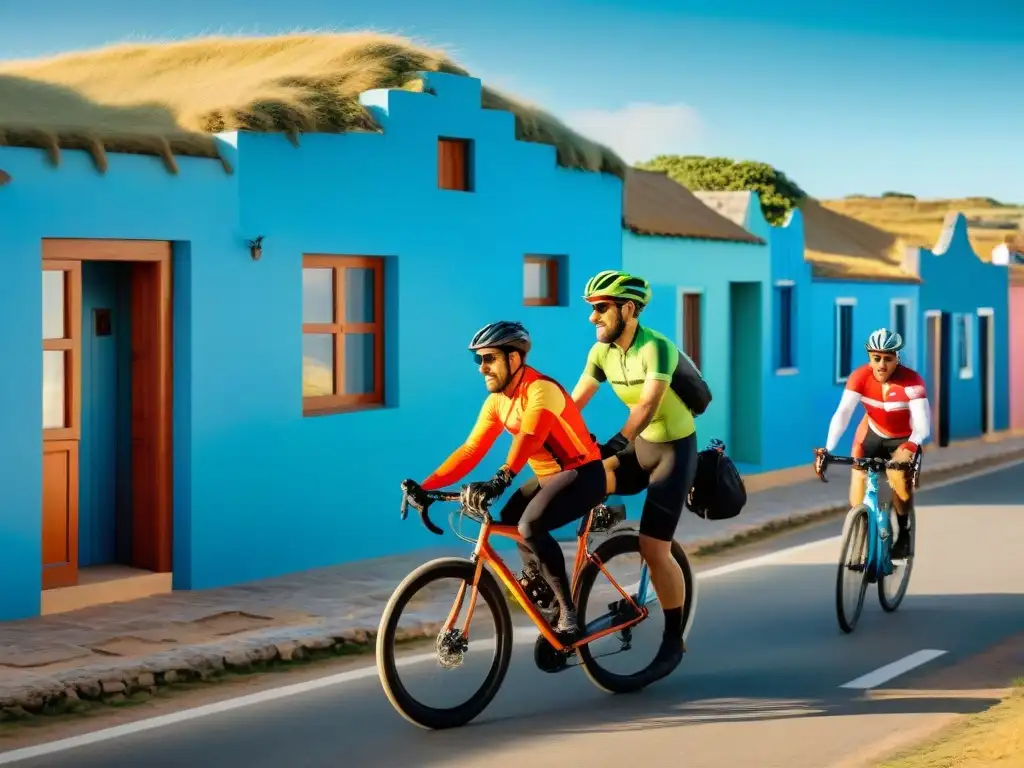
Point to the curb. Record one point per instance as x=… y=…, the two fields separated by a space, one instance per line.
x=59 y=693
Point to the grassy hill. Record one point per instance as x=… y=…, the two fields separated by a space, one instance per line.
x=919 y=222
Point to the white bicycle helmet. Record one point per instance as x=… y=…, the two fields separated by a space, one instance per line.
x=884 y=340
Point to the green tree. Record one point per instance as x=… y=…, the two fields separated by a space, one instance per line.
x=778 y=193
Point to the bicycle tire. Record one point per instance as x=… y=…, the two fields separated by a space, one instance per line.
x=856 y=523
x=619 y=544
x=432 y=718
x=890 y=606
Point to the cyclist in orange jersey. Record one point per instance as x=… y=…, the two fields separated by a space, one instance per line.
x=550 y=435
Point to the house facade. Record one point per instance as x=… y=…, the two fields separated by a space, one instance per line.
x=786 y=352
x=964 y=341
x=1011 y=255
x=237 y=369
x=710 y=279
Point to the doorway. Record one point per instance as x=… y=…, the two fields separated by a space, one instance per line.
x=938 y=346
x=745 y=372
x=106 y=407
x=986 y=361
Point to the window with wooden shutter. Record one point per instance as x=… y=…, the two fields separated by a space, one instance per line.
x=454 y=164
x=691 y=327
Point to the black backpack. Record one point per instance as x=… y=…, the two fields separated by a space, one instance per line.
x=718 y=491
x=691 y=387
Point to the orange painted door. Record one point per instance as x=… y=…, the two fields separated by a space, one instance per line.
x=62 y=331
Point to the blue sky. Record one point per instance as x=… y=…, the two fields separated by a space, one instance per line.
x=862 y=97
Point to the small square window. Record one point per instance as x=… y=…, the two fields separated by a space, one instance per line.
x=541 y=281
x=454 y=164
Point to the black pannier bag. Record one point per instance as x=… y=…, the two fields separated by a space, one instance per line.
x=718 y=491
x=690 y=386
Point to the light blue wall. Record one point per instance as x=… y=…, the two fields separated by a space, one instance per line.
x=136 y=198
x=677 y=265
x=260 y=490
x=955 y=280
x=872 y=310
x=786 y=391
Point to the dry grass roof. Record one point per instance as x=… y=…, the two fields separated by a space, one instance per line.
x=168 y=99
x=654 y=204
x=844 y=248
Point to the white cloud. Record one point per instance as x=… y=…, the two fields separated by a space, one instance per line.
x=640 y=130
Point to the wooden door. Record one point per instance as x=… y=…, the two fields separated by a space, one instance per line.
x=62 y=333
x=984 y=366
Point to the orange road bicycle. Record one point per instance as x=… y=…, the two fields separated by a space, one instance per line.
x=598 y=617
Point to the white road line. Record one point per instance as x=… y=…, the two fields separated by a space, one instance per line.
x=897 y=668
x=523 y=636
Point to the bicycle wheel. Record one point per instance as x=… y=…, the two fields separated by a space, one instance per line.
x=852 y=567
x=450 y=655
x=899 y=580
x=596 y=599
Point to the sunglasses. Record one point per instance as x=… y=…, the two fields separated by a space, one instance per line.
x=489 y=358
x=603 y=306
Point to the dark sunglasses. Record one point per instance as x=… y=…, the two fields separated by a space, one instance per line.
x=603 y=306
x=489 y=358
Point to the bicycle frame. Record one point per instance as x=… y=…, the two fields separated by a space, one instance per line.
x=878 y=562
x=483 y=553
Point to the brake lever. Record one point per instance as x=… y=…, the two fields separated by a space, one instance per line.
x=425 y=519
x=404 y=511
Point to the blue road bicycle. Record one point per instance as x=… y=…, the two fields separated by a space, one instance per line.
x=865 y=553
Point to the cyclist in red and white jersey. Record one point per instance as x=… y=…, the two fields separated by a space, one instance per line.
x=897 y=421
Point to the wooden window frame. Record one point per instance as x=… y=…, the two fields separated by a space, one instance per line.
x=321 y=405
x=455 y=164
x=71 y=346
x=553 y=265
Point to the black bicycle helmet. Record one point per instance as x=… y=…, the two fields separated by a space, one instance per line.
x=504 y=333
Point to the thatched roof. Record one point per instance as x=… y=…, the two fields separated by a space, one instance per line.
x=654 y=204
x=843 y=248
x=168 y=99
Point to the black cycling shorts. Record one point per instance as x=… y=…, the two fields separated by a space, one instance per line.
x=564 y=497
x=871 y=445
x=667 y=471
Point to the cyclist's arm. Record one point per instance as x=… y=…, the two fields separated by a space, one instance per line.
x=544 y=400
x=464 y=458
x=590 y=380
x=920 y=418
x=841 y=418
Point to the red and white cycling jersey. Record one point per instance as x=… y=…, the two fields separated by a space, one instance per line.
x=897 y=409
x=888 y=405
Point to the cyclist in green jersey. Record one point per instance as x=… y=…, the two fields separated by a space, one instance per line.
x=656 y=449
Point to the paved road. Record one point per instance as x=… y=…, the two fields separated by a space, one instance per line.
x=760 y=686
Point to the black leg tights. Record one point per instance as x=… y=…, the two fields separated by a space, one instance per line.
x=537 y=511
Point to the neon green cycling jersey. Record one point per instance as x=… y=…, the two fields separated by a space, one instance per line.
x=651 y=356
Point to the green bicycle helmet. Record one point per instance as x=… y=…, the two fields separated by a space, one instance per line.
x=616 y=284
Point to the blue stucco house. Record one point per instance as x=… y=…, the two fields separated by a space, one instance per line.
x=964 y=345
x=711 y=282
x=242 y=358
x=786 y=349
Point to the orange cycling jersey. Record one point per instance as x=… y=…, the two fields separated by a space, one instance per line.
x=547 y=428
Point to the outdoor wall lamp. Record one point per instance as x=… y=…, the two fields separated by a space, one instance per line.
x=5 y=177
x=256 y=248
